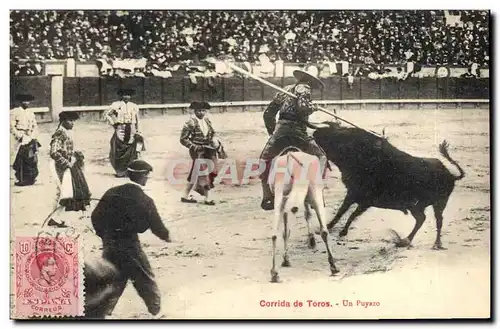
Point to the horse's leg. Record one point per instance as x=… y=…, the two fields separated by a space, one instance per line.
x=286 y=236
x=311 y=241
x=278 y=213
x=317 y=204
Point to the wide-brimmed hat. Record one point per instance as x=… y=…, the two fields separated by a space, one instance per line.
x=199 y=105
x=195 y=105
x=24 y=97
x=69 y=115
x=304 y=76
x=205 y=105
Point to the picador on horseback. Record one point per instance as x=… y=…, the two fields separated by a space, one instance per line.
x=291 y=128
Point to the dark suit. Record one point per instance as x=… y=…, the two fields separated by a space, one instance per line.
x=122 y=213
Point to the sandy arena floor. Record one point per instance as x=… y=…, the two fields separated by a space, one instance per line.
x=218 y=265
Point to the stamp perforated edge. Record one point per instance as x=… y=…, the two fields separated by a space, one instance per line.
x=78 y=269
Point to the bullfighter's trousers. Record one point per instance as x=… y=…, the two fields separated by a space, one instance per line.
x=131 y=263
x=288 y=133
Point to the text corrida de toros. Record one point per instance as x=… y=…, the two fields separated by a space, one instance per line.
x=297 y=303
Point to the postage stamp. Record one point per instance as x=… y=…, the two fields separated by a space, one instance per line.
x=174 y=161
x=48 y=277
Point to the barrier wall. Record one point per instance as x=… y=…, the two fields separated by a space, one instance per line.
x=91 y=91
x=38 y=86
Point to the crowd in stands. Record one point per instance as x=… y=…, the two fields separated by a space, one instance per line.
x=165 y=38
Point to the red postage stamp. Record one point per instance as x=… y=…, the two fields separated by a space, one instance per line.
x=48 y=277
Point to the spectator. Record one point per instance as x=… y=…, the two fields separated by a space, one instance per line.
x=468 y=74
x=369 y=37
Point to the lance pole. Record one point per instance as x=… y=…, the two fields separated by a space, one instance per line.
x=267 y=83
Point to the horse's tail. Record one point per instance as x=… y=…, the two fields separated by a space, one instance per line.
x=298 y=192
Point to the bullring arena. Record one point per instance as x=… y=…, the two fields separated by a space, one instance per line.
x=218 y=263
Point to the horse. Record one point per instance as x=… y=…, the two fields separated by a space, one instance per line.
x=296 y=179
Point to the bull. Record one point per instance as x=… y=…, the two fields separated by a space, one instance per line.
x=377 y=174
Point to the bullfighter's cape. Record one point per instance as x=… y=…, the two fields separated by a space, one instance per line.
x=26 y=163
x=122 y=152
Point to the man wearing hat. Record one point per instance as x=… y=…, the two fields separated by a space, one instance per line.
x=126 y=142
x=67 y=168
x=198 y=136
x=122 y=213
x=23 y=128
x=291 y=129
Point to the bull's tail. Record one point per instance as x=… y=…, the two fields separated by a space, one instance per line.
x=443 y=149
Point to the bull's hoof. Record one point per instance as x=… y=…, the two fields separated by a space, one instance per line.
x=342 y=233
x=403 y=243
x=311 y=242
x=334 y=270
x=438 y=247
x=286 y=263
x=267 y=205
